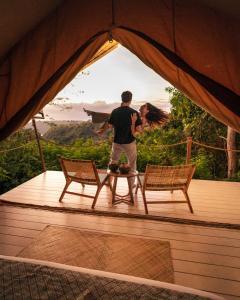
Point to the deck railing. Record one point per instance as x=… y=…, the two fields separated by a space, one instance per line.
x=189 y=142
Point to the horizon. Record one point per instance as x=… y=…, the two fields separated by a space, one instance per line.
x=96 y=84
x=74 y=111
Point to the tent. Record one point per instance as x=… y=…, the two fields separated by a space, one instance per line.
x=195 y=45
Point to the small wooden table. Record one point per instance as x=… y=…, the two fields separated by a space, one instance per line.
x=116 y=198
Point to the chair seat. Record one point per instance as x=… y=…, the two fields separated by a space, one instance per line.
x=177 y=184
x=74 y=177
x=164 y=187
x=101 y=173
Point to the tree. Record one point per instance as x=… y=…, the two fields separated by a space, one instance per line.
x=193 y=120
x=197 y=123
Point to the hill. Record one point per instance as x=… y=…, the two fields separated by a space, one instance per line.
x=68 y=132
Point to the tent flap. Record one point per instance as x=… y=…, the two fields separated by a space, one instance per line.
x=194 y=46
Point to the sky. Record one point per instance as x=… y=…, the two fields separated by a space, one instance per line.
x=116 y=72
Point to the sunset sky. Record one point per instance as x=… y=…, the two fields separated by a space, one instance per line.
x=118 y=71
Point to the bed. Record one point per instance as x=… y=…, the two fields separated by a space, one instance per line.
x=22 y=278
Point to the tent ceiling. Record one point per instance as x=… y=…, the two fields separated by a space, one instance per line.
x=17 y=17
x=195 y=45
x=231 y=7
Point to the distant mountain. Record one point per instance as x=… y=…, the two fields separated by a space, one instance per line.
x=44 y=126
x=74 y=111
x=69 y=132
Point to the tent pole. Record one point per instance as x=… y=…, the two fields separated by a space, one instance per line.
x=39 y=146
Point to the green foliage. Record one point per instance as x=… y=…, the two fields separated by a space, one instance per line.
x=21 y=164
x=202 y=162
x=187 y=119
x=194 y=121
x=80 y=141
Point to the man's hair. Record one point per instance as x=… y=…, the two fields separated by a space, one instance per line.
x=126 y=96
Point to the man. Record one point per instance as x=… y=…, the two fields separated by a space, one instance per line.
x=126 y=122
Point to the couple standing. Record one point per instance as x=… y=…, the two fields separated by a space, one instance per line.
x=126 y=122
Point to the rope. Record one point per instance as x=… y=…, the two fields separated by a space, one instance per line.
x=174 y=32
x=215 y=148
x=113 y=13
x=140 y=145
x=165 y=145
x=22 y=146
x=110 y=37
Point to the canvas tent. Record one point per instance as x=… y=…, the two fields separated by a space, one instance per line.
x=195 y=45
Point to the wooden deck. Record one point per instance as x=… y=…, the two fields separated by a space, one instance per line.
x=205 y=258
x=213 y=201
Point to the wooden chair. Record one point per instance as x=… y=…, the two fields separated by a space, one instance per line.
x=84 y=172
x=166 y=178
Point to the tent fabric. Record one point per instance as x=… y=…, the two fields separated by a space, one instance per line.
x=42 y=63
x=158 y=62
x=18 y=17
x=194 y=46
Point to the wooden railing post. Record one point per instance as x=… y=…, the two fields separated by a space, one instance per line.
x=39 y=146
x=189 y=149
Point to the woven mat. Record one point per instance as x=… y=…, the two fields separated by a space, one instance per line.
x=113 y=253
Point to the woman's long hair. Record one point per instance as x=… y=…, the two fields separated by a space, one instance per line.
x=155 y=116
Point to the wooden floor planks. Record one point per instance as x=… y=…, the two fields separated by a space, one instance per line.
x=206 y=258
x=210 y=199
x=195 y=263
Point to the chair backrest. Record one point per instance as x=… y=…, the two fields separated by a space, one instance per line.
x=83 y=171
x=157 y=177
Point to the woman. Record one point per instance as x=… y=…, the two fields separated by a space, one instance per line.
x=152 y=116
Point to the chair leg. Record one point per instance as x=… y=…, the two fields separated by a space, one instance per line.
x=107 y=181
x=110 y=179
x=64 y=190
x=188 y=200
x=130 y=190
x=96 y=195
x=136 y=190
x=145 y=202
x=114 y=187
x=139 y=185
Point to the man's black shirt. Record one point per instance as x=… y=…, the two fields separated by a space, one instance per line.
x=120 y=119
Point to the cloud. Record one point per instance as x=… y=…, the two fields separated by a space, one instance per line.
x=74 y=111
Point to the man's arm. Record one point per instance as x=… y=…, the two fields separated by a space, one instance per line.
x=103 y=128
